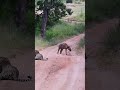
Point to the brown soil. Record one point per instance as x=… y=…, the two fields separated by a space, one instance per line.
x=60 y=71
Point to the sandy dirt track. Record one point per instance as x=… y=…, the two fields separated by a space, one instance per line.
x=61 y=72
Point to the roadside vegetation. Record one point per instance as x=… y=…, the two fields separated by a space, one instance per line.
x=82 y=43
x=61 y=30
x=59 y=33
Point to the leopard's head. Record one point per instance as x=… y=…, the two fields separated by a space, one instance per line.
x=4 y=61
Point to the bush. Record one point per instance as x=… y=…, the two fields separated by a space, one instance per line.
x=80 y=28
x=62 y=31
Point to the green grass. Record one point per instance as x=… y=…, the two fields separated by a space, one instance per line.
x=82 y=43
x=80 y=17
x=40 y=42
x=62 y=31
x=59 y=33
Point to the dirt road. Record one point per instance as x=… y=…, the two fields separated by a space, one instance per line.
x=61 y=72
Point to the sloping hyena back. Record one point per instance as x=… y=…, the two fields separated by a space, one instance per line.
x=63 y=46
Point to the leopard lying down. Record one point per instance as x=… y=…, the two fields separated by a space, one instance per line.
x=39 y=56
x=9 y=72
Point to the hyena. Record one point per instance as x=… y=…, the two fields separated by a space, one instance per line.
x=63 y=46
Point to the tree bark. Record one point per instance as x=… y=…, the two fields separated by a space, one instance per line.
x=44 y=19
x=44 y=23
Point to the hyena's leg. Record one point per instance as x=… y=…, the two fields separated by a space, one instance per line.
x=61 y=51
x=58 y=50
x=66 y=51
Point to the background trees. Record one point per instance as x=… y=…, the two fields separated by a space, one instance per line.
x=51 y=12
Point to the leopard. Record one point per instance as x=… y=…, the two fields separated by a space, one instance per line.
x=39 y=56
x=10 y=72
x=64 y=46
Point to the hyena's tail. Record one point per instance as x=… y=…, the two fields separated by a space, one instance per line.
x=29 y=78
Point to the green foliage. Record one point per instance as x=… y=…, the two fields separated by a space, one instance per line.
x=40 y=42
x=80 y=17
x=77 y=1
x=82 y=42
x=80 y=28
x=62 y=31
x=56 y=8
x=37 y=29
x=63 y=1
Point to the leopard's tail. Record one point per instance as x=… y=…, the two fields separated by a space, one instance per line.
x=45 y=59
x=29 y=78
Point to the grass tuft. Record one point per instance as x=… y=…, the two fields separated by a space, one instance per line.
x=82 y=42
x=59 y=33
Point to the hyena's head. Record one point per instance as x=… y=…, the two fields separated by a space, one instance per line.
x=69 y=48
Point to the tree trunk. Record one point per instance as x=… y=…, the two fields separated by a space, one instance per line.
x=44 y=22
